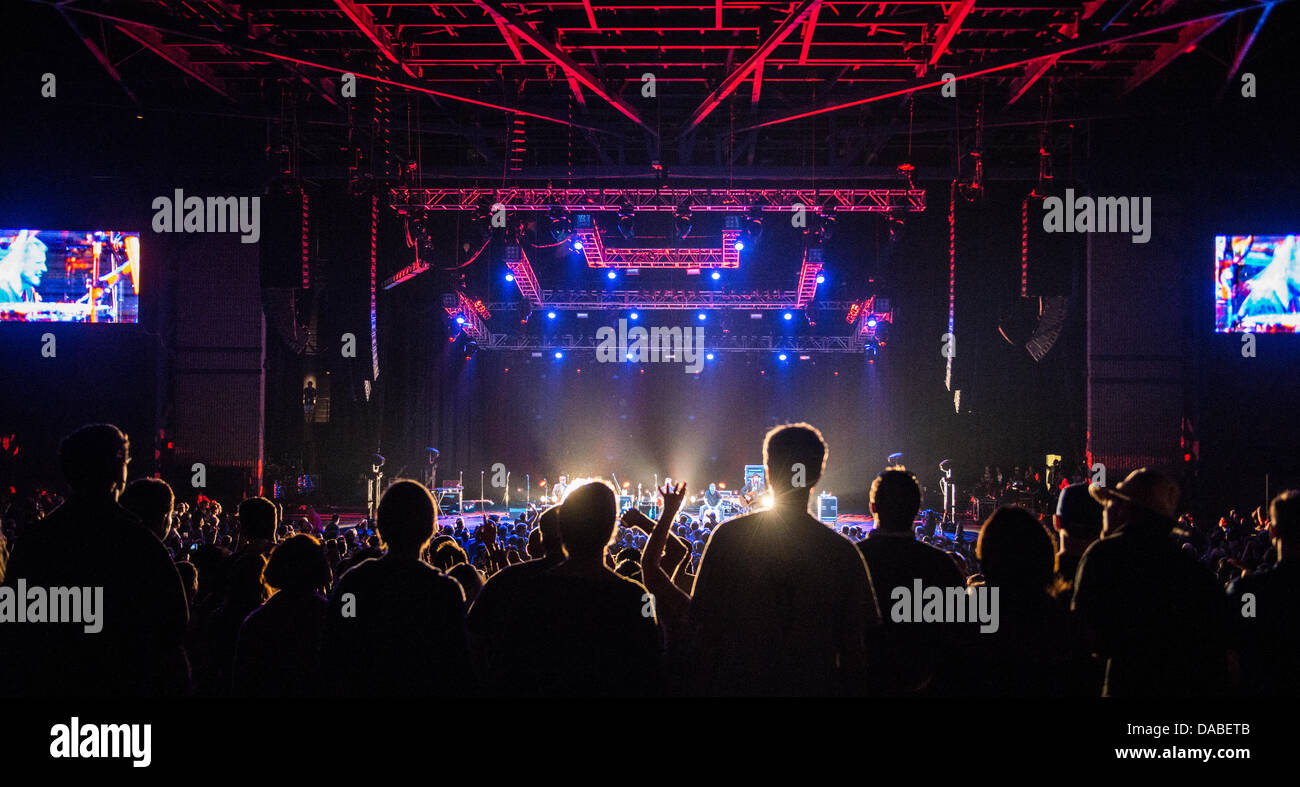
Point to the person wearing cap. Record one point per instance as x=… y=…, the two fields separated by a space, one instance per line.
x=1078 y=524
x=1266 y=608
x=1156 y=616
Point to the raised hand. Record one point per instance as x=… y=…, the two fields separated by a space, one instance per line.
x=673 y=495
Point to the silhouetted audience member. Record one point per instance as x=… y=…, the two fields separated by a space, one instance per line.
x=781 y=602
x=90 y=543
x=1078 y=524
x=397 y=622
x=278 y=653
x=244 y=591
x=189 y=580
x=151 y=500
x=906 y=658
x=1154 y=614
x=1032 y=646
x=580 y=628
x=1266 y=609
x=490 y=630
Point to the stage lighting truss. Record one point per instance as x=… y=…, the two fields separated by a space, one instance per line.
x=522 y=270
x=808 y=273
x=580 y=200
x=601 y=256
x=545 y=345
x=595 y=300
x=874 y=319
x=469 y=314
x=672 y=300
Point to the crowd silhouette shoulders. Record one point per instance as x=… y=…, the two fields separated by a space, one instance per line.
x=1115 y=594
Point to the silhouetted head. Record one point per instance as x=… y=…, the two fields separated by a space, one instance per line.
x=94 y=459
x=298 y=564
x=895 y=499
x=406 y=515
x=448 y=554
x=1145 y=502
x=587 y=519
x=257 y=519
x=795 y=455
x=1078 y=515
x=151 y=500
x=1015 y=550
x=1284 y=517
x=548 y=522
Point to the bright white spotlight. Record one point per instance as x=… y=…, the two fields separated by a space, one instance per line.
x=632 y=316
x=460 y=320
x=788 y=316
x=550 y=315
x=510 y=277
x=577 y=245
x=708 y=357
x=739 y=245
x=781 y=357
x=612 y=275
x=716 y=275
x=821 y=279
x=559 y=354
x=702 y=315
x=871 y=323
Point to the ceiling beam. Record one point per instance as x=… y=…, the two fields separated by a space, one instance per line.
x=733 y=80
x=758 y=83
x=177 y=56
x=317 y=85
x=101 y=56
x=591 y=14
x=512 y=40
x=1094 y=40
x=956 y=16
x=808 y=35
x=180 y=27
x=1033 y=72
x=1249 y=42
x=365 y=22
x=560 y=58
x=1187 y=39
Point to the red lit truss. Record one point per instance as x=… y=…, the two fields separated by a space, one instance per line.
x=601 y=256
x=723 y=200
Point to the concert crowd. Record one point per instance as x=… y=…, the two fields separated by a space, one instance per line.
x=1109 y=592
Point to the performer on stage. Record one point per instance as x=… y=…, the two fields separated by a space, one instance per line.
x=751 y=493
x=21 y=268
x=711 y=503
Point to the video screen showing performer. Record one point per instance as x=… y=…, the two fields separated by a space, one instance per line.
x=1256 y=284
x=69 y=276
